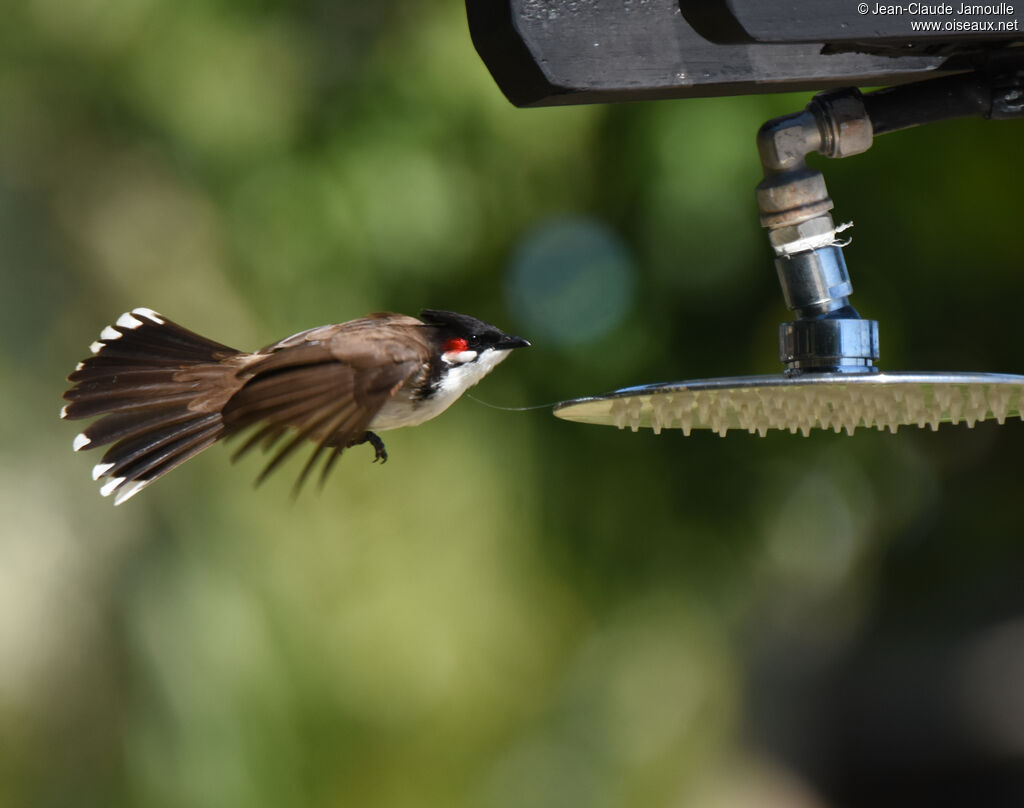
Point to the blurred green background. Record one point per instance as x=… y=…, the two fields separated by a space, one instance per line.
x=514 y=611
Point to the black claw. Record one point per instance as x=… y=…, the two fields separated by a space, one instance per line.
x=381 y=453
x=374 y=440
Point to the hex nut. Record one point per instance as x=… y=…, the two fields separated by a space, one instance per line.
x=844 y=121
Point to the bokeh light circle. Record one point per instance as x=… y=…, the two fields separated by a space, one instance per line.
x=571 y=280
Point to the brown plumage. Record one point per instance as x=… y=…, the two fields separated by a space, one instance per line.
x=165 y=393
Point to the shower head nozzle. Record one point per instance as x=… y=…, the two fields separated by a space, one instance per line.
x=801 y=403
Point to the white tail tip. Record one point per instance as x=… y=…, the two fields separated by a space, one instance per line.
x=110 y=485
x=142 y=311
x=100 y=469
x=130 y=490
x=126 y=320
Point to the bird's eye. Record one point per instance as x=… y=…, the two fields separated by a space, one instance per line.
x=457 y=345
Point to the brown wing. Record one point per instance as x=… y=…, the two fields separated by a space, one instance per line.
x=324 y=385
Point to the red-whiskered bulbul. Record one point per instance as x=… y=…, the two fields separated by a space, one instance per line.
x=166 y=393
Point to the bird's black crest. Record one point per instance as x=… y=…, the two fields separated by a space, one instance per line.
x=461 y=324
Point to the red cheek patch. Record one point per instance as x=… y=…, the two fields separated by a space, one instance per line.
x=457 y=345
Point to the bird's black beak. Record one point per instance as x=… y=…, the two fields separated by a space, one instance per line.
x=508 y=342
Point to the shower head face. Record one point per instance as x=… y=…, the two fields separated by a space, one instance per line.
x=801 y=403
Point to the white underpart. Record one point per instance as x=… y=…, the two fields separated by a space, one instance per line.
x=403 y=411
x=81 y=440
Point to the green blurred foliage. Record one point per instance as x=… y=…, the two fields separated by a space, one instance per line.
x=515 y=610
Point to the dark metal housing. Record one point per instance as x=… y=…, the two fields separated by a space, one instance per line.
x=548 y=52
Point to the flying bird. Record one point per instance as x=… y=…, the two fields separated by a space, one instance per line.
x=165 y=393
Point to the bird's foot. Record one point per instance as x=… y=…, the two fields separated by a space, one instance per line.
x=380 y=452
x=374 y=440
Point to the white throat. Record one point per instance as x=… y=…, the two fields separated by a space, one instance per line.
x=404 y=410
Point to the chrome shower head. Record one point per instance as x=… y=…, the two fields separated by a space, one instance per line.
x=836 y=401
x=829 y=351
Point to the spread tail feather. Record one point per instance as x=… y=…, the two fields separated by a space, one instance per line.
x=159 y=388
